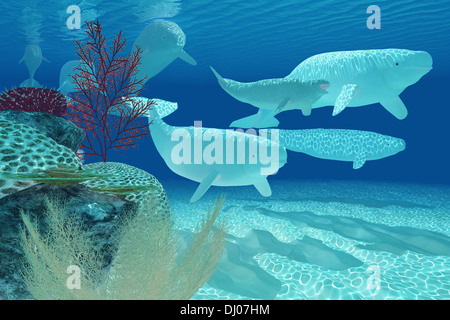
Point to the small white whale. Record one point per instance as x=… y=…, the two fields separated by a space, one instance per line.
x=273 y=96
x=363 y=77
x=211 y=156
x=341 y=144
x=161 y=43
x=33 y=59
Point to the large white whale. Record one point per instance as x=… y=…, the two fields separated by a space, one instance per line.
x=214 y=157
x=33 y=59
x=341 y=144
x=363 y=77
x=161 y=43
x=273 y=96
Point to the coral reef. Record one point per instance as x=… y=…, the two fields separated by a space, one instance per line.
x=58 y=128
x=97 y=206
x=122 y=180
x=33 y=100
x=25 y=150
x=133 y=184
x=100 y=214
x=147 y=264
x=105 y=83
x=61 y=176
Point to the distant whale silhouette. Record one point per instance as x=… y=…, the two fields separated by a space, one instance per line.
x=273 y=96
x=33 y=59
x=161 y=43
x=359 y=78
x=66 y=84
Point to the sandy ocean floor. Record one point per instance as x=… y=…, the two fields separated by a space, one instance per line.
x=327 y=240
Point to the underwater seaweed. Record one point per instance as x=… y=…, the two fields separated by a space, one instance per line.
x=149 y=262
x=34 y=100
x=123 y=191
x=47 y=257
x=105 y=83
x=60 y=176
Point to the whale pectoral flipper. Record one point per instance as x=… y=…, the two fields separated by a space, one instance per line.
x=263 y=119
x=62 y=85
x=281 y=106
x=344 y=98
x=306 y=111
x=396 y=107
x=263 y=187
x=359 y=161
x=204 y=186
x=187 y=58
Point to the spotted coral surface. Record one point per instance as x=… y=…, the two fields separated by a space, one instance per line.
x=128 y=176
x=24 y=150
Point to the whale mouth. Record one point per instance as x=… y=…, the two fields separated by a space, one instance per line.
x=421 y=68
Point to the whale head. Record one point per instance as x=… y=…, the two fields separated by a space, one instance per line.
x=33 y=58
x=403 y=68
x=161 y=43
x=166 y=36
x=388 y=146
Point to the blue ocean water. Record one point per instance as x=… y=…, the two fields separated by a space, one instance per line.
x=253 y=40
x=249 y=41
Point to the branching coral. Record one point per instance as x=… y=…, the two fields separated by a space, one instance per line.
x=149 y=263
x=105 y=83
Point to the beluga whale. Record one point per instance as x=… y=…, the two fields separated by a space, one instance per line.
x=213 y=157
x=66 y=84
x=341 y=144
x=364 y=77
x=33 y=59
x=272 y=96
x=161 y=43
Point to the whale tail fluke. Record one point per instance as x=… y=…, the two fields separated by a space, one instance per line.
x=262 y=119
x=64 y=88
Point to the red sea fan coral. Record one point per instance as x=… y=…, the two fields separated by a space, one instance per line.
x=105 y=83
x=34 y=100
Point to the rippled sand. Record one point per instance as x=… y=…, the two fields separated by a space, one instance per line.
x=327 y=240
